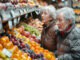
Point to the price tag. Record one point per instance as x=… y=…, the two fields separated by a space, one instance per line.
x=31 y=14
x=26 y=15
x=18 y=19
x=10 y=24
x=12 y=12
x=6 y=52
x=25 y=11
x=1 y=27
x=4 y=17
x=37 y=12
x=15 y=21
x=21 y=12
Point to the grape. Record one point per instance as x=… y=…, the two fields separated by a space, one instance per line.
x=27 y=45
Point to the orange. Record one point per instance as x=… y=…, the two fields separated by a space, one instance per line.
x=14 y=49
x=32 y=48
x=16 y=56
x=25 y=55
x=53 y=58
x=1 y=47
x=36 y=51
x=4 y=39
x=19 y=52
x=29 y=58
x=9 y=45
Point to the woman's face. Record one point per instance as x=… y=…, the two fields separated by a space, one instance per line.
x=45 y=16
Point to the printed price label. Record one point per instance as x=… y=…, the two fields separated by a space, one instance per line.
x=37 y=12
x=15 y=21
x=4 y=17
x=10 y=24
x=18 y=19
x=12 y=12
x=21 y=12
x=6 y=52
x=1 y=27
x=25 y=11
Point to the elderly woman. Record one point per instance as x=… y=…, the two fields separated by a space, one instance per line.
x=48 y=16
x=68 y=44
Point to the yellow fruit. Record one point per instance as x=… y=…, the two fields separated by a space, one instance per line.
x=29 y=58
x=4 y=39
x=1 y=47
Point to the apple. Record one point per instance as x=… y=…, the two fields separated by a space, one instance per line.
x=33 y=36
x=38 y=40
x=25 y=33
x=21 y=28
x=23 y=45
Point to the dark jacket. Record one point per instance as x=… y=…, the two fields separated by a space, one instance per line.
x=68 y=48
x=48 y=37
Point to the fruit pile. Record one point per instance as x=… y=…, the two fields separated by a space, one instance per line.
x=16 y=53
x=37 y=24
x=36 y=47
x=30 y=29
x=26 y=48
x=4 y=57
x=23 y=34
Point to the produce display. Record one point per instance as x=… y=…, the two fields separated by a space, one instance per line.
x=76 y=7
x=4 y=57
x=25 y=47
x=23 y=42
x=13 y=49
x=31 y=29
x=36 y=47
x=37 y=24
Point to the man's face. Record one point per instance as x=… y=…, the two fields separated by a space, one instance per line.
x=45 y=16
x=61 y=23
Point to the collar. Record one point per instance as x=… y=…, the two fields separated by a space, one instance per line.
x=45 y=26
x=63 y=34
x=70 y=29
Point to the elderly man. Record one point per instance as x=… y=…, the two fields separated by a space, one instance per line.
x=68 y=44
x=48 y=16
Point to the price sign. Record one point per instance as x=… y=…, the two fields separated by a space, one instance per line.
x=21 y=12
x=25 y=11
x=6 y=52
x=12 y=12
x=1 y=27
x=15 y=21
x=10 y=24
x=18 y=19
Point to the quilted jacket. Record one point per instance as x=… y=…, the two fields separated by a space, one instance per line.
x=68 y=48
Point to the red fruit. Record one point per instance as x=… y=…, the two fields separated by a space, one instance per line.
x=33 y=36
x=21 y=28
x=15 y=43
x=23 y=45
x=38 y=41
x=25 y=33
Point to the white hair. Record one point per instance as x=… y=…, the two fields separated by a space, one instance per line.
x=68 y=13
x=51 y=9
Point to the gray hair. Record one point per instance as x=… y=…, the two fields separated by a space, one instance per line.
x=51 y=9
x=68 y=13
